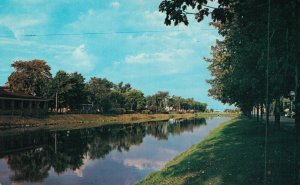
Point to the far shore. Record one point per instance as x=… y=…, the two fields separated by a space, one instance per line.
x=74 y=121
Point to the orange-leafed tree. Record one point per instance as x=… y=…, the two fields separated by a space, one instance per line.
x=31 y=77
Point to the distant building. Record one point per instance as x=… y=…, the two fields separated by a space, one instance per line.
x=20 y=103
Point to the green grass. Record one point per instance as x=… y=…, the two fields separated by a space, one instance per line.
x=13 y=124
x=233 y=154
x=76 y=121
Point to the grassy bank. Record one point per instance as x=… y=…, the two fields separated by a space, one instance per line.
x=211 y=114
x=70 y=121
x=233 y=154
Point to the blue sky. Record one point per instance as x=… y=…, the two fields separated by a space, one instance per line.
x=127 y=50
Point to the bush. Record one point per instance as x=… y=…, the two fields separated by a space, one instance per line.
x=117 y=111
x=147 y=112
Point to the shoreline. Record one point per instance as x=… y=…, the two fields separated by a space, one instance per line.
x=61 y=121
x=232 y=153
x=76 y=121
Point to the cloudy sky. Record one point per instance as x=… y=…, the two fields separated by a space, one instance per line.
x=122 y=40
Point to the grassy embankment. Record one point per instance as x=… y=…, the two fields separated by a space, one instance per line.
x=83 y=120
x=233 y=154
x=72 y=121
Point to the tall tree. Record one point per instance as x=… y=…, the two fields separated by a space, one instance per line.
x=259 y=47
x=117 y=99
x=99 y=90
x=135 y=100
x=31 y=77
x=77 y=94
x=59 y=88
x=68 y=90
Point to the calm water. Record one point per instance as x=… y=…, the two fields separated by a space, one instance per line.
x=114 y=155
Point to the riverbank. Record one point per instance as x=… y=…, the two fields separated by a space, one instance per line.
x=65 y=121
x=233 y=153
x=73 y=121
x=83 y=120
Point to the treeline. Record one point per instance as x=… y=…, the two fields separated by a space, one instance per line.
x=70 y=92
x=256 y=65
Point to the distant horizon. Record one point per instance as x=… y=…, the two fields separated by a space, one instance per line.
x=118 y=40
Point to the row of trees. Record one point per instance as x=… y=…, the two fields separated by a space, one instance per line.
x=70 y=91
x=256 y=63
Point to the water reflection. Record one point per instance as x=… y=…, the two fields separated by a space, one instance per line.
x=31 y=156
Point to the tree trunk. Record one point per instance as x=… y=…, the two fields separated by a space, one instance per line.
x=297 y=105
x=267 y=113
x=297 y=124
x=295 y=12
x=257 y=113
x=277 y=113
x=297 y=135
x=261 y=111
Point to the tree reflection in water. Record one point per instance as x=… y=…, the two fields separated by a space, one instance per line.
x=32 y=154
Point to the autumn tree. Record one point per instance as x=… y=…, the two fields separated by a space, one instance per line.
x=31 y=77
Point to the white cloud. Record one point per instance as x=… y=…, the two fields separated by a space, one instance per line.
x=95 y=21
x=82 y=58
x=140 y=58
x=154 y=19
x=21 y=23
x=17 y=24
x=143 y=58
x=87 y=162
x=151 y=65
x=167 y=62
x=115 y=4
x=76 y=60
x=142 y=164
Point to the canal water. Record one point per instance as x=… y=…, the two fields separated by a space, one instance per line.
x=119 y=154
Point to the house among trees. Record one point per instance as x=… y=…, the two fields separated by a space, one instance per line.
x=20 y=103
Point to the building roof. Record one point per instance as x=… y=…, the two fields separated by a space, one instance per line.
x=5 y=92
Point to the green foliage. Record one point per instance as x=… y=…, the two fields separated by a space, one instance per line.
x=69 y=89
x=117 y=111
x=240 y=62
x=257 y=48
x=179 y=103
x=177 y=10
x=59 y=88
x=121 y=87
x=135 y=100
x=158 y=102
x=118 y=99
x=77 y=94
x=99 y=90
x=70 y=92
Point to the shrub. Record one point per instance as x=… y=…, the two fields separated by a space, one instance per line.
x=117 y=111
